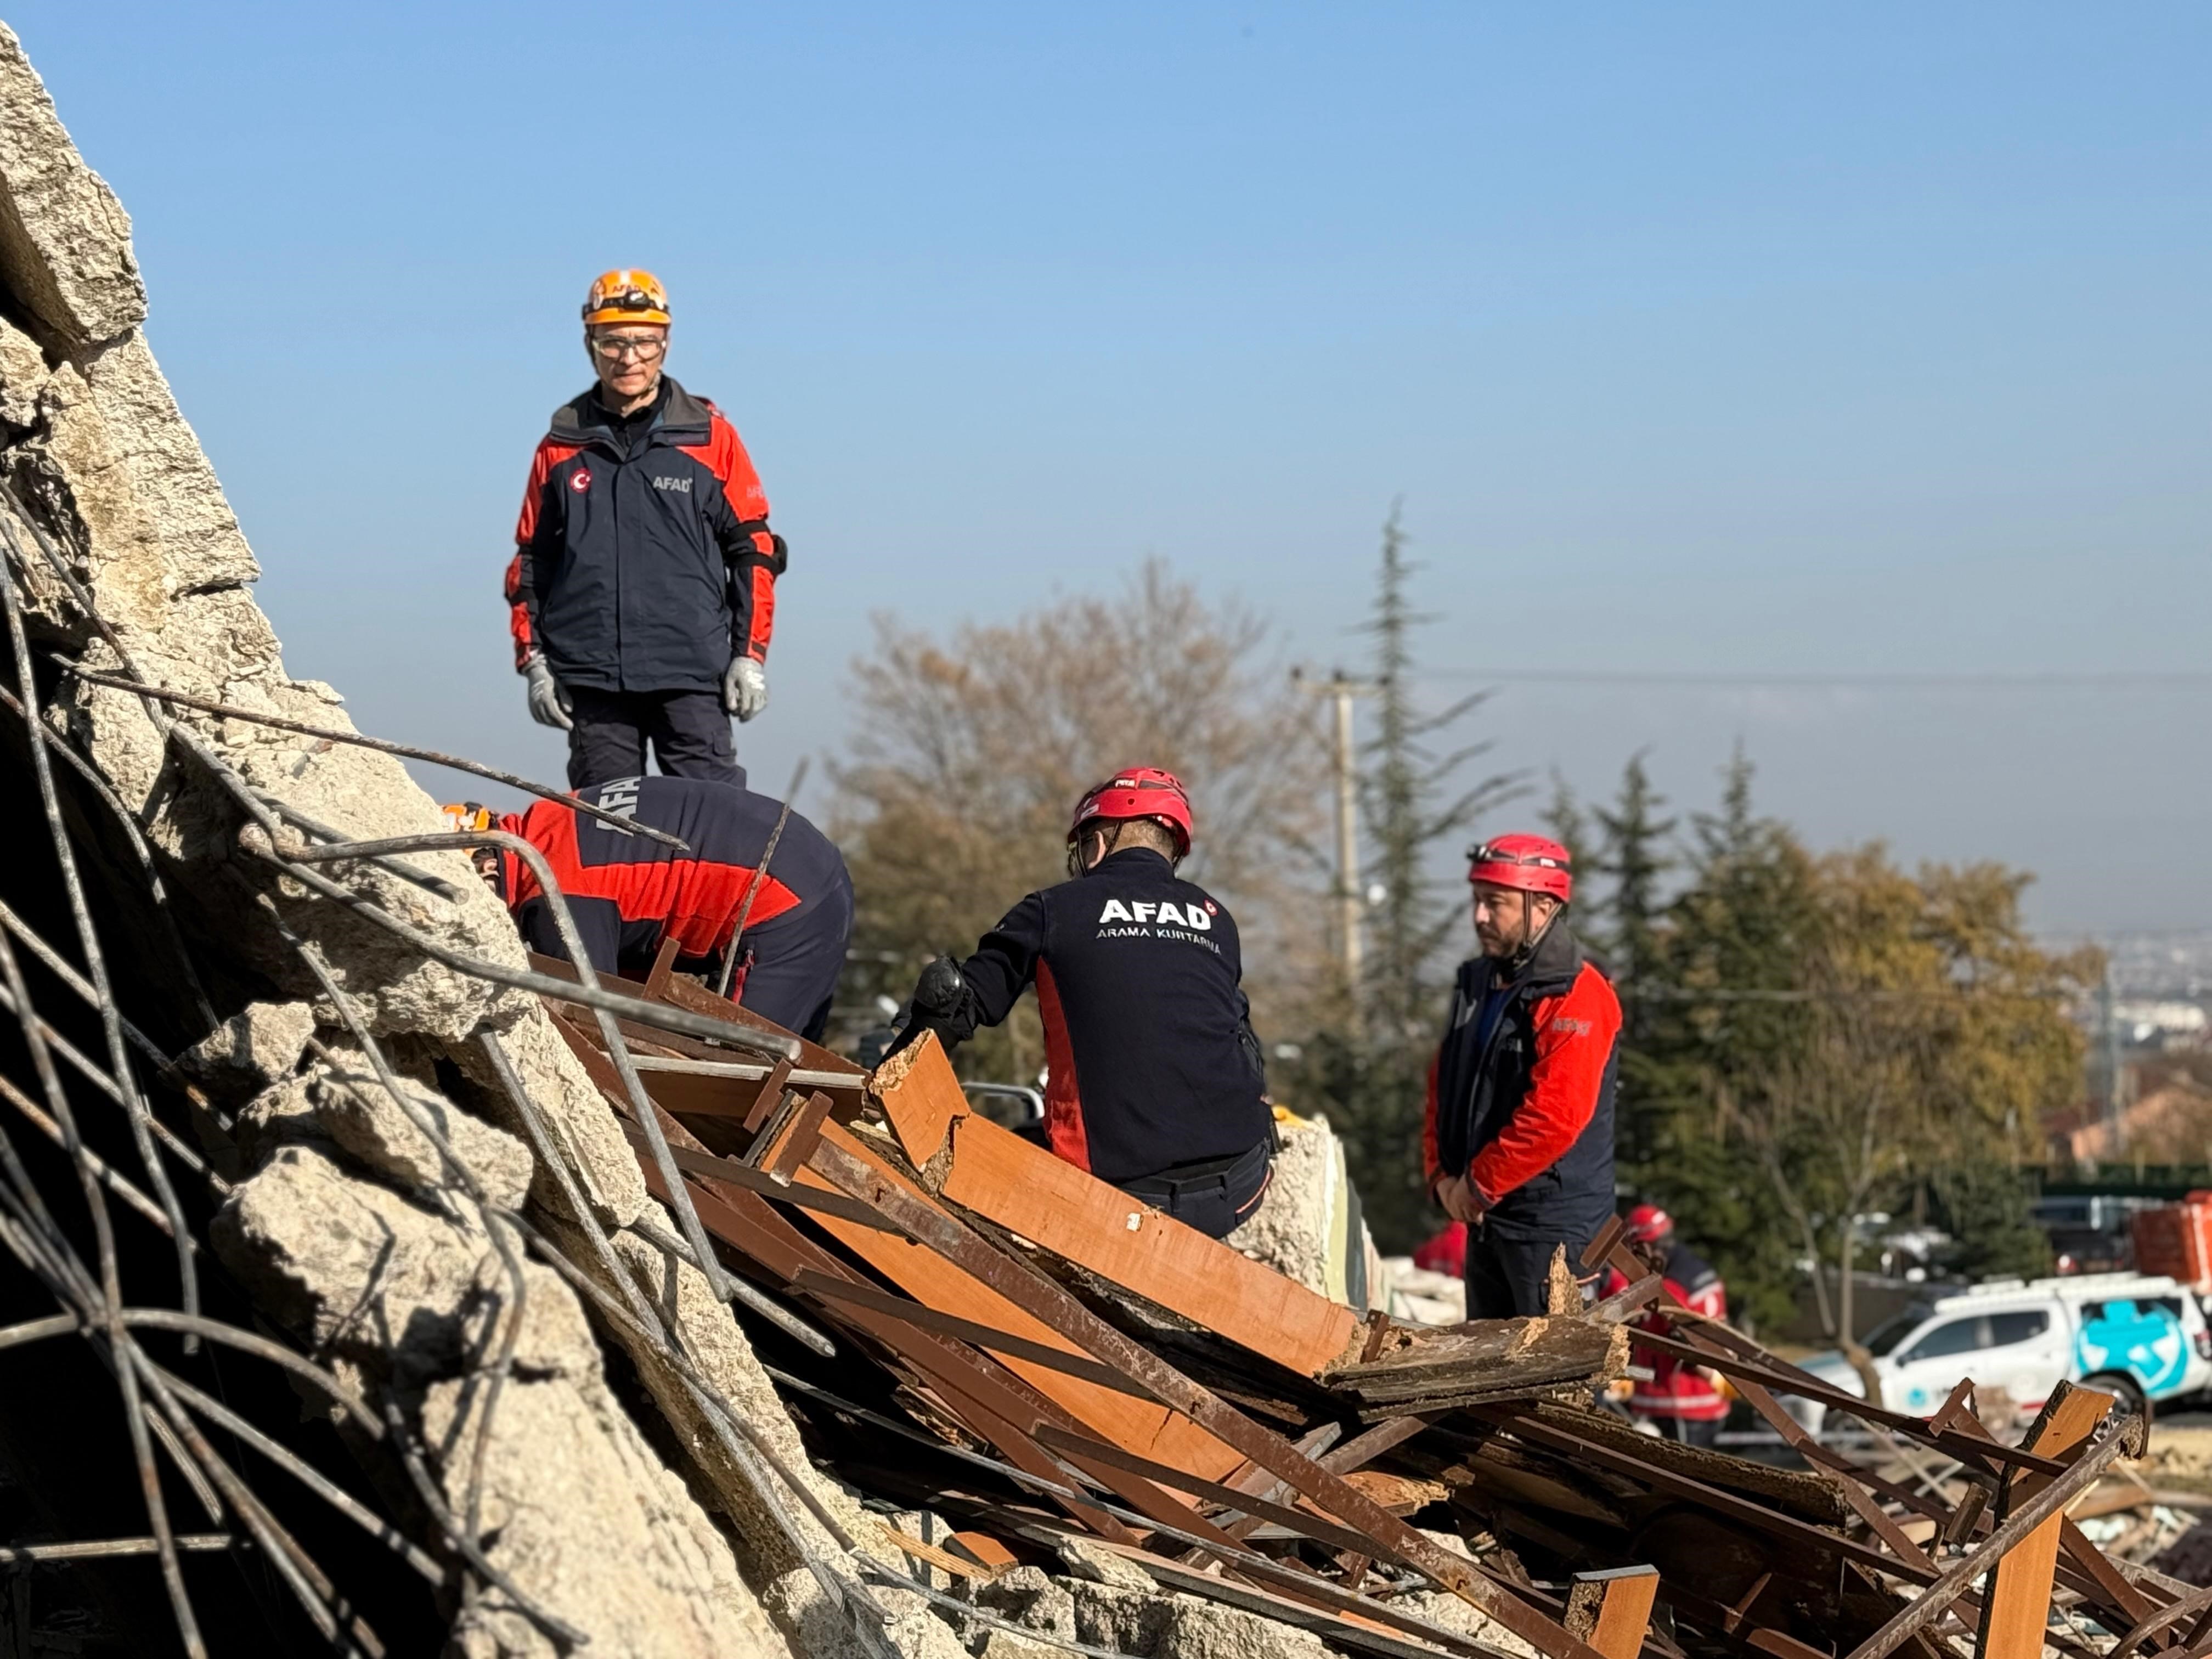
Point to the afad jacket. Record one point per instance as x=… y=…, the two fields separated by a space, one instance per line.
x=1528 y=1114
x=1676 y=1387
x=1150 y=1060
x=646 y=568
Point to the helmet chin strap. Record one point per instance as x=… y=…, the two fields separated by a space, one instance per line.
x=1524 y=952
x=1109 y=841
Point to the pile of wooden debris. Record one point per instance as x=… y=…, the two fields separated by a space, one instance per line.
x=982 y=1338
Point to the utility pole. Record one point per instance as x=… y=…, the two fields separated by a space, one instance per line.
x=1351 y=907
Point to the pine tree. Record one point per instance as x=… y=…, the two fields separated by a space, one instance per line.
x=1410 y=808
x=1370 y=1079
x=1632 y=856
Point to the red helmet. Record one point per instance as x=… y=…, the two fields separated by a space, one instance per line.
x=1138 y=792
x=1648 y=1224
x=1529 y=862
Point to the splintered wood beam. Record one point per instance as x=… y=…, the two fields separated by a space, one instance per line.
x=1932 y=1604
x=1025 y=1189
x=2017 y=1605
x=1144 y=1427
x=1612 y=1610
x=911 y=1312
x=934 y=1230
x=1085 y=1453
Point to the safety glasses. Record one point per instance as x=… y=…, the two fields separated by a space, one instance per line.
x=617 y=349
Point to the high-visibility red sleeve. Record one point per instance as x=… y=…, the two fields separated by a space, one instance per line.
x=755 y=553
x=1575 y=1035
x=532 y=523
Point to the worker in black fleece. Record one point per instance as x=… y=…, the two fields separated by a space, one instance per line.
x=1153 y=1079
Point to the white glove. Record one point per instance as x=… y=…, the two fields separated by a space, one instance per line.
x=744 y=687
x=549 y=703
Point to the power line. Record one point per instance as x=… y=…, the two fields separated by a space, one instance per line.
x=2113 y=678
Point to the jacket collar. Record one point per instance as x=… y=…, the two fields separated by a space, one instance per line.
x=683 y=419
x=1558 y=960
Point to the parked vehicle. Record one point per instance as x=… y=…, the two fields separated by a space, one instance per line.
x=2141 y=1337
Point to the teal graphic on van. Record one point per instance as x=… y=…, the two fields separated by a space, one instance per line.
x=2140 y=1338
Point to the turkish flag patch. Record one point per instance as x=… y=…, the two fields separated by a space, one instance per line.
x=580 y=479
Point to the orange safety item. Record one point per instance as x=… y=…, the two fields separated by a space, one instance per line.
x=2176 y=1240
x=626 y=296
x=468 y=818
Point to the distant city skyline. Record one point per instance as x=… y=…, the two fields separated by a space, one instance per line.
x=1835 y=383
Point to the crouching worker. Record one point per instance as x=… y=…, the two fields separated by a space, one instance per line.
x=1679 y=1400
x=1153 y=1079
x=629 y=894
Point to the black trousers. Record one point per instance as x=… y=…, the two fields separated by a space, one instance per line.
x=1510 y=1278
x=1213 y=1196
x=688 y=731
x=1690 y=1431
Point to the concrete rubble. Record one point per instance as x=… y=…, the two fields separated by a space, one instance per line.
x=411 y=1170
x=345 y=1222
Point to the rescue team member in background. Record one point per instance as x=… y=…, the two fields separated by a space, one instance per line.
x=1679 y=1400
x=1519 y=1139
x=642 y=590
x=1152 y=1076
x=629 y=893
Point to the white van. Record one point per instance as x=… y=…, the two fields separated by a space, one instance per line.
x=2143 y=1339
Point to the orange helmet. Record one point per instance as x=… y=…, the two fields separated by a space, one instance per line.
x=465 y=817
x=626 y=296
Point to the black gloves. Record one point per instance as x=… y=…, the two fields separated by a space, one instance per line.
x=942 y=1003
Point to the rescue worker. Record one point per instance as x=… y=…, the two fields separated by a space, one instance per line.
x=628 y=893
x=1153 y=1079
x=1679 y=1399
x=642 y=589
x=1519 y=1138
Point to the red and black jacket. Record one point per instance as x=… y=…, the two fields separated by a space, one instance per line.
x=1521 y=1094
x=627 y=894
x=1150 y=1060
x=644 y=565
x=1675 y=1387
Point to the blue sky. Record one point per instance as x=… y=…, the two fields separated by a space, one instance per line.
x=1744 y=340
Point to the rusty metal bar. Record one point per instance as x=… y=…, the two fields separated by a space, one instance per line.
x=928 y=1225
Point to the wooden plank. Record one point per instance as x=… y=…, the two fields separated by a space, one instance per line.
x=1086 y=1454
x=686 y=994
x=987 y=1550
x=1144 y=1427
x=957 y=1242
x=1612 y=1610
x=664 y=968
x=1025 y=1189
x=907 y=1544
x=2017 y=1604
x=963 y=1330
x=746 y=1222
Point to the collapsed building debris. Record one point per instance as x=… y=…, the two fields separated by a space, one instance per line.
x=625 y=1323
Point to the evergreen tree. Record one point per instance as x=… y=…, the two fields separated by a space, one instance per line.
x=1412 y=799
x=1370 y=1077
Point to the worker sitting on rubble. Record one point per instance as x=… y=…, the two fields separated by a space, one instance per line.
x=1153 y=1079
x=1519 y=1138
x=789 y=922
x=1679 y=1399
x=643 y=588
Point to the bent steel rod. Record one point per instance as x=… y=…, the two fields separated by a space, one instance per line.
x=382 y=745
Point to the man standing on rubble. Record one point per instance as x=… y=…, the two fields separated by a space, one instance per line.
x=642 y=589
x=789 y=922
x=1153 y=1079
x=1680 y=1400
x=1519 y=1137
